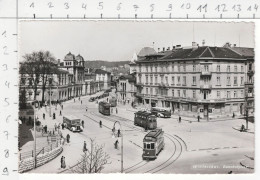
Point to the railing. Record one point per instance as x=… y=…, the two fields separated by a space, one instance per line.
x=30 y=154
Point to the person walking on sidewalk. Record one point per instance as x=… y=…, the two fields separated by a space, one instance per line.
x=62 y=106
x=116 y=111
x=43 y=115
x=85 y=147
x=198 y=118
x=116 y=144
x=81 y=101
x=179 y=119
x=61 y=162
x=100 y=124
x=68 y=138
x=60 y=113
x=118 y=133
x=82 y=123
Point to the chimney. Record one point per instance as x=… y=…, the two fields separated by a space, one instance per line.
x=194 y=45
x=163 y=49
x=203 y=42
x=234 y=45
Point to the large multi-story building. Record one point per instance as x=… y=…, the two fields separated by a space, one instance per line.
x=103 y=79
x=205 y=81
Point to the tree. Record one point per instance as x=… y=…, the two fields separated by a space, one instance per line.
x=38 y=67
x=93 y=160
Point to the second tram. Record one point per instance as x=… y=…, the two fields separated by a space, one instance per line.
x=153 y=144
x=104 y=108
x=145 y=119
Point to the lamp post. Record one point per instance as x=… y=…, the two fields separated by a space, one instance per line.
x=36 y=105
x=50 y=82
x=122 y=157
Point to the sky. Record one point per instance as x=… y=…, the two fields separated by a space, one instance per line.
x=119 y=40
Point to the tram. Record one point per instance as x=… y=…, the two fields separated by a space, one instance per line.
x=153 y=143
x=104 y=108
x=145 y=119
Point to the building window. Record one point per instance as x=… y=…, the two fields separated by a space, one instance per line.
x=194 y=80
x=156 y=69
x=250 y=67
x=140 y=79
x=151 y=68
x=235 y=94
x=172 y=67
x=173 y=80
x=228 y=68
x=228 y=94
x=235 y=80
x=218 y=68
x=179 y=68
x=242 y=81
x=166 y=79
x=242 y=93
x=179 y=80
x=146 y=68
x=228 y=80
x=184 y=93
x=184 y=67
x=206 y=68
x=179 y=93
x=242 y=68
x=218 y=81
x=235 y=68
x=151 y=80
x=218 y=94
x=151 y=91
x=194 y=94
x=156 y=80
x=184 y=80
x=161 y=79
x=173 y=93
x=146 y=79
x=146 y=90
x=194 y=68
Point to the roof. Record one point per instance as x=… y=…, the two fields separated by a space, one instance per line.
x=146 y=51
x=201 y=52
x=79 y=58
x=144 y=113
x=154 y=133
x=69 y=57
x=71 y=117
x=101 y=71
x=247 y=52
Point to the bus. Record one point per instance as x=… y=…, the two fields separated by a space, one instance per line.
x=145 y=119
x=72 y=123
x=153 y=143
x=161 y=112
x=113 y=102
x=104 y=108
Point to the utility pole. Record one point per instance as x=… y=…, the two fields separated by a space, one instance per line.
x=50 y=96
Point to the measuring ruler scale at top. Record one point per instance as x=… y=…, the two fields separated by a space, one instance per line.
x=131 y=9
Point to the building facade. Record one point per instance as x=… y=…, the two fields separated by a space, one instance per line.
x=205 y=81
x=103 y=79
x=126 y=88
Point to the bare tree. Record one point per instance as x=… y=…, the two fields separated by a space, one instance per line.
x=38 y=67
x=93 y=160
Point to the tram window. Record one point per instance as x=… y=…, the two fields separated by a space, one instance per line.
x=152 y=145
x=148 y=146
x=144 y=145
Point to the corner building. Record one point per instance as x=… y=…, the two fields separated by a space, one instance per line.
x=205 y=81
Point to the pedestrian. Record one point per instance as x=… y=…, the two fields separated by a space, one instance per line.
x=116 y=111
x=118 y=133
x=116 y=144
x=43 y=115
x=85 y=147
x=233 y=115
x=74 y=99
x=82 y=123
x=179 y=119
x=79 y=97
x=60 y=112
x=113 y=130
x=100 y=124
x=61 y=162
x=242 y=128
x=45 y=128
x=53 y=132
x=81 y=101
x=198 y=118
x=55 y=127
x=68 y=138
x=53 y=116
x=111 y=110
x=62 y=106
x=42 y=129
x=62 y=126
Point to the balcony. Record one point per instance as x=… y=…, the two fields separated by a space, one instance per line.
x=206 y=86
x=249 y=95
x=250 y=72
x=205 y=73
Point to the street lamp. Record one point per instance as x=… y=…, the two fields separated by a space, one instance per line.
x=122 y=157
x=36 y=105
x=50 y=82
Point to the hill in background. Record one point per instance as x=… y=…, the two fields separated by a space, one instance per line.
x=108 y=64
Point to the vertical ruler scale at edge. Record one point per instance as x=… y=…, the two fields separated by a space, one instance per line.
x=9 y=90
x=139 y=9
